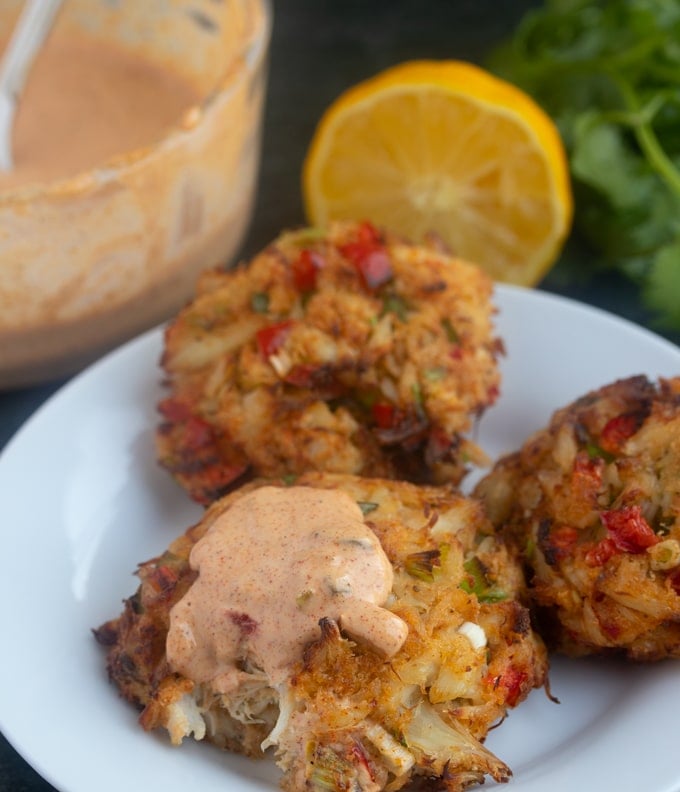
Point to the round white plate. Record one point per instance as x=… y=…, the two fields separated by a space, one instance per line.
x=83 y=501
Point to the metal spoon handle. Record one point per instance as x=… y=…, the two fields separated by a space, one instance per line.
x=33 y=26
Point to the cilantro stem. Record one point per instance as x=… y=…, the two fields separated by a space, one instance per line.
x=646 y=137
x=649 y=143
x=549 y=67
x=666 y=74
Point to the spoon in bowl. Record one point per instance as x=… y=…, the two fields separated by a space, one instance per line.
x=34 y=24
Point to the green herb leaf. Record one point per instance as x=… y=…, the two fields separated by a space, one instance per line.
x=608 y=74
x=328 y=771
x=422 y=565
x=595 y=451
x=259 y=302
x=435 y=374
x=477 y=583
x=396 y=304
x=303 y=598
x=451 y=332
x=418 y=401
x=305 y=236
x=367 y=507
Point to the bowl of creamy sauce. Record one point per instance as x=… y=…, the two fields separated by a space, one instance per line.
x=136 y=149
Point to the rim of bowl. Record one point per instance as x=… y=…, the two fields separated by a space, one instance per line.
x=253 y=52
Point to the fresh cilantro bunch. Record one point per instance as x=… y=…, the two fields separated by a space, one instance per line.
x=608 y=72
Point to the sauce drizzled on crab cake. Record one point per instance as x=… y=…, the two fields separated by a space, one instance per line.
x=348 y=351
x=369 y=630
x=269 y=568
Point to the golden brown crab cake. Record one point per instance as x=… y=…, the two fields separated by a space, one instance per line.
x=370 y=630
x=347 y=352
x=592 y=501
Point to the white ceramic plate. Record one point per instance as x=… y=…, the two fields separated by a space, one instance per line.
x=82 y=502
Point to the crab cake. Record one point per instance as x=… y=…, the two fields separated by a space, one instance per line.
x=593 y=502
x=369 y=630
x=345 y=352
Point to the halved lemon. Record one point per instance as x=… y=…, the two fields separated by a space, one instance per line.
x=444 y=148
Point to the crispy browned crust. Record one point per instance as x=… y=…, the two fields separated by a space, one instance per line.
x=135 y=640
x=592 y=501
x=449 y=567
x=299 y=361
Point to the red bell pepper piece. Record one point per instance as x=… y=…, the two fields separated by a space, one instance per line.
x=628 y=529
x=194 y=431
x=174 y=410
x=305 y=268
x=369 y=256
x=627 y=532
x=617 y=431
x=358 y=753
x=270 y=339
x=375 y=268
x=512 y=681
x=384 y=415
x=675 y=581
x=600 y=553
x=303 y=375
x=438 y=444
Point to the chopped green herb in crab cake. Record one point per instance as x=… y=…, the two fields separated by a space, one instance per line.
x=369 y=631
x=592 y=501
x=349 y=351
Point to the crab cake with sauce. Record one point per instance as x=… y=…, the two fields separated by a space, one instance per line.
x=346 y=352
x=370 y=631
x=593 y=502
